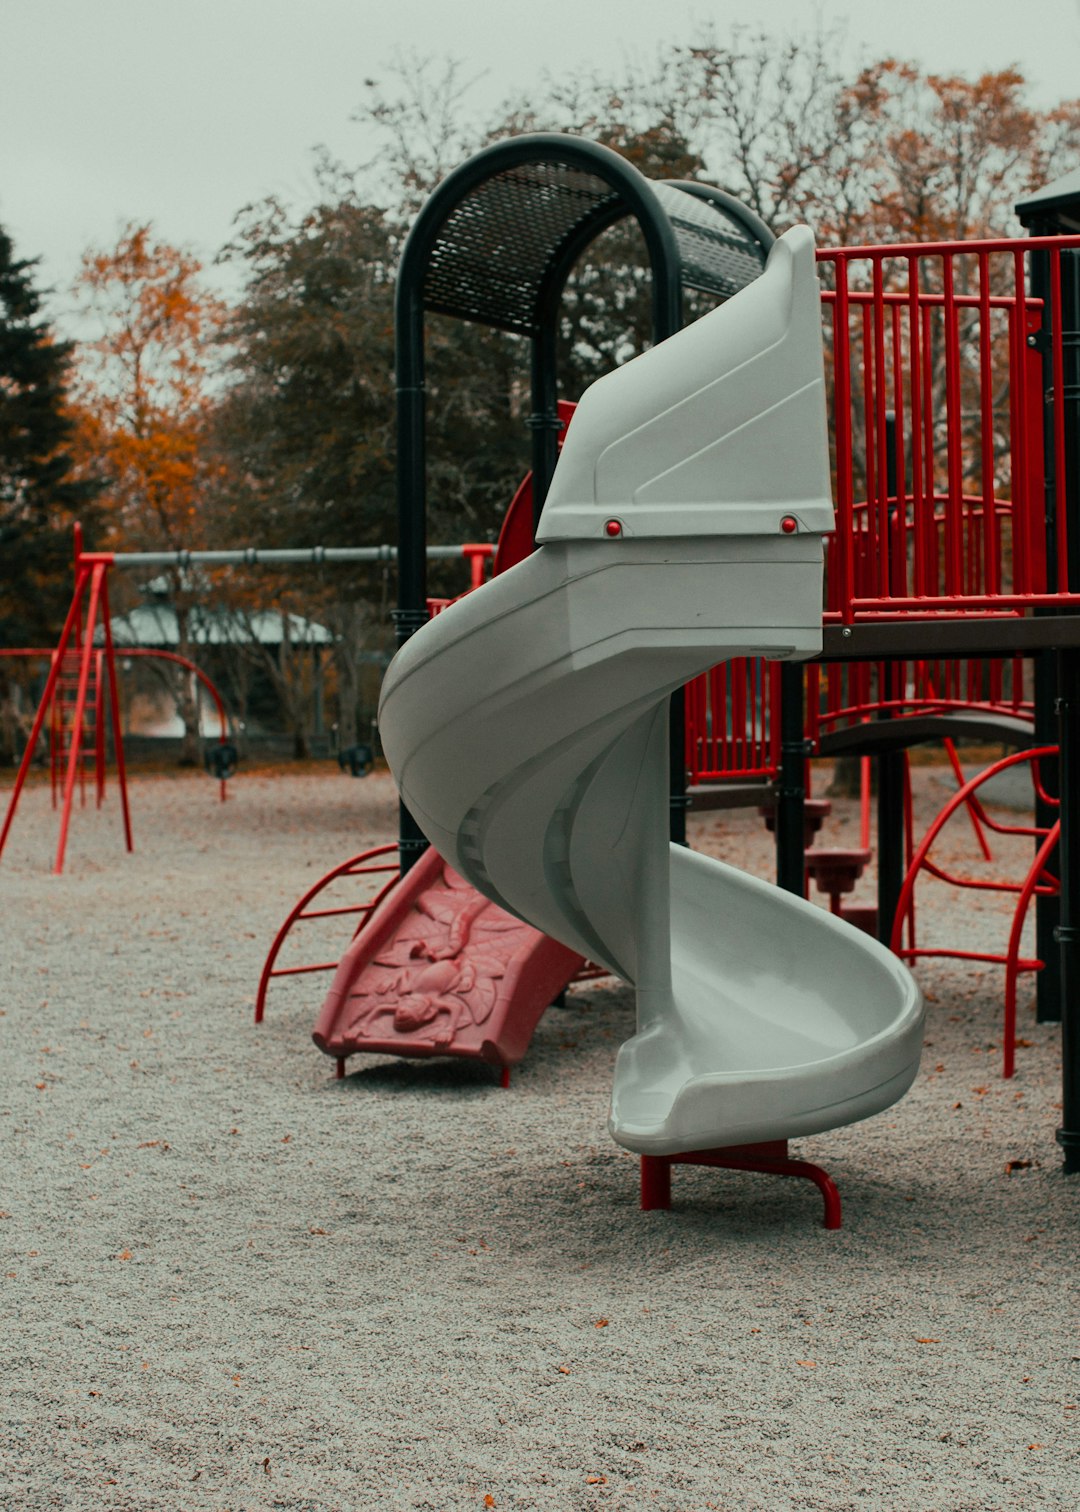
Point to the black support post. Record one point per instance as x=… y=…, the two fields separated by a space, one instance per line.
x=679 y=800
x=1068 y=931
x=890 y=837
x=1068 y=706
x=544 y=421
x=411 y=611
x=891 y=860
x=1047 y=910
x=791 y=792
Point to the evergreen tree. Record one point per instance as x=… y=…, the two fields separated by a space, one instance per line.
x=40 y=495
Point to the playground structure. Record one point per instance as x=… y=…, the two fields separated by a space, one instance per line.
x=82 y=673
x=950 y=601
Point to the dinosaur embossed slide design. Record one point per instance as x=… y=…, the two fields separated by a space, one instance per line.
x=527 y=729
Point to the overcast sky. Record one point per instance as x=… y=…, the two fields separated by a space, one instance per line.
x=182 y=111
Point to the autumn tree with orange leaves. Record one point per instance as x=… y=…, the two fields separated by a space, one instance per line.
x=144 y=393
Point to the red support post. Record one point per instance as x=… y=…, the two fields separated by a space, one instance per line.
x=97 y=573
x=114 y=706
x=769 y=1158
x=46 y=703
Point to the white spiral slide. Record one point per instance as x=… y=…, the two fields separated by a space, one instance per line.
x=527 y=729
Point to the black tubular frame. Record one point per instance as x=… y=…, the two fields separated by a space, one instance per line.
x=632 y=194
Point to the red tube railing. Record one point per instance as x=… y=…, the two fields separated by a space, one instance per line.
x=935 y=350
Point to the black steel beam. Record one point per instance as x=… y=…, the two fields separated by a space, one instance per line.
x=791 y=789
x=880 y=640
x=1068 y=1135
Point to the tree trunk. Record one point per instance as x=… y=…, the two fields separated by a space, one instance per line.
x=188 y=705
x=10 y=724
x=187 y=695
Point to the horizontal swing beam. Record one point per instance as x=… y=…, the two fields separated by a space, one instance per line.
x=250 y=556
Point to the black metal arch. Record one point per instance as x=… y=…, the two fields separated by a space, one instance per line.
x=496 y=243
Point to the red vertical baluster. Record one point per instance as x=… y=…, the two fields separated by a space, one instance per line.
x=933 y=575
x=898 y=545
x=991 y=535
x=915 y=380
x=954 y=438
x=1060 y=523
x=842 y=400
x=881 y=554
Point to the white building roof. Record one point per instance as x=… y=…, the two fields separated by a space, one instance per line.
x=156 y=625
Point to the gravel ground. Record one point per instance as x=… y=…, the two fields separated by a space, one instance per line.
x=232 y=1282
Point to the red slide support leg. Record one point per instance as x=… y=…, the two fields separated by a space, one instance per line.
x=655 y=1183
x=770 y=1159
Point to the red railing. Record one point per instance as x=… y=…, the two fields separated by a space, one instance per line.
x=935 y=366
x=733 y=722
x=938 y=359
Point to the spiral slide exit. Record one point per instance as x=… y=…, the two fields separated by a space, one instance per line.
x=527 y=729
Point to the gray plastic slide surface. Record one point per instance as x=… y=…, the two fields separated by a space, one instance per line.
x=527 y=729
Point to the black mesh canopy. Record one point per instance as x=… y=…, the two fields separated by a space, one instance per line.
x=719 y=252
x=492 y=254
x=495 y=243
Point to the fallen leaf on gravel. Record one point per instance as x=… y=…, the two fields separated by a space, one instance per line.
x=124 y=1255
x=489 y=1500
x=40 y=1086
x=928 y=1341
x=957 y=1105
x=596 y=1480
x=1023 y=1044
x=601 y=1323
x=286 y=1138
x=266 y=1464
x=809 y=1364
x=980 y=1091
x=1034 y=1446
x=1017 y=1165
x=562 y=1369
x=316 y=1231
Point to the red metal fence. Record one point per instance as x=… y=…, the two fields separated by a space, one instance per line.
x=946 y=374
x=936 y=374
